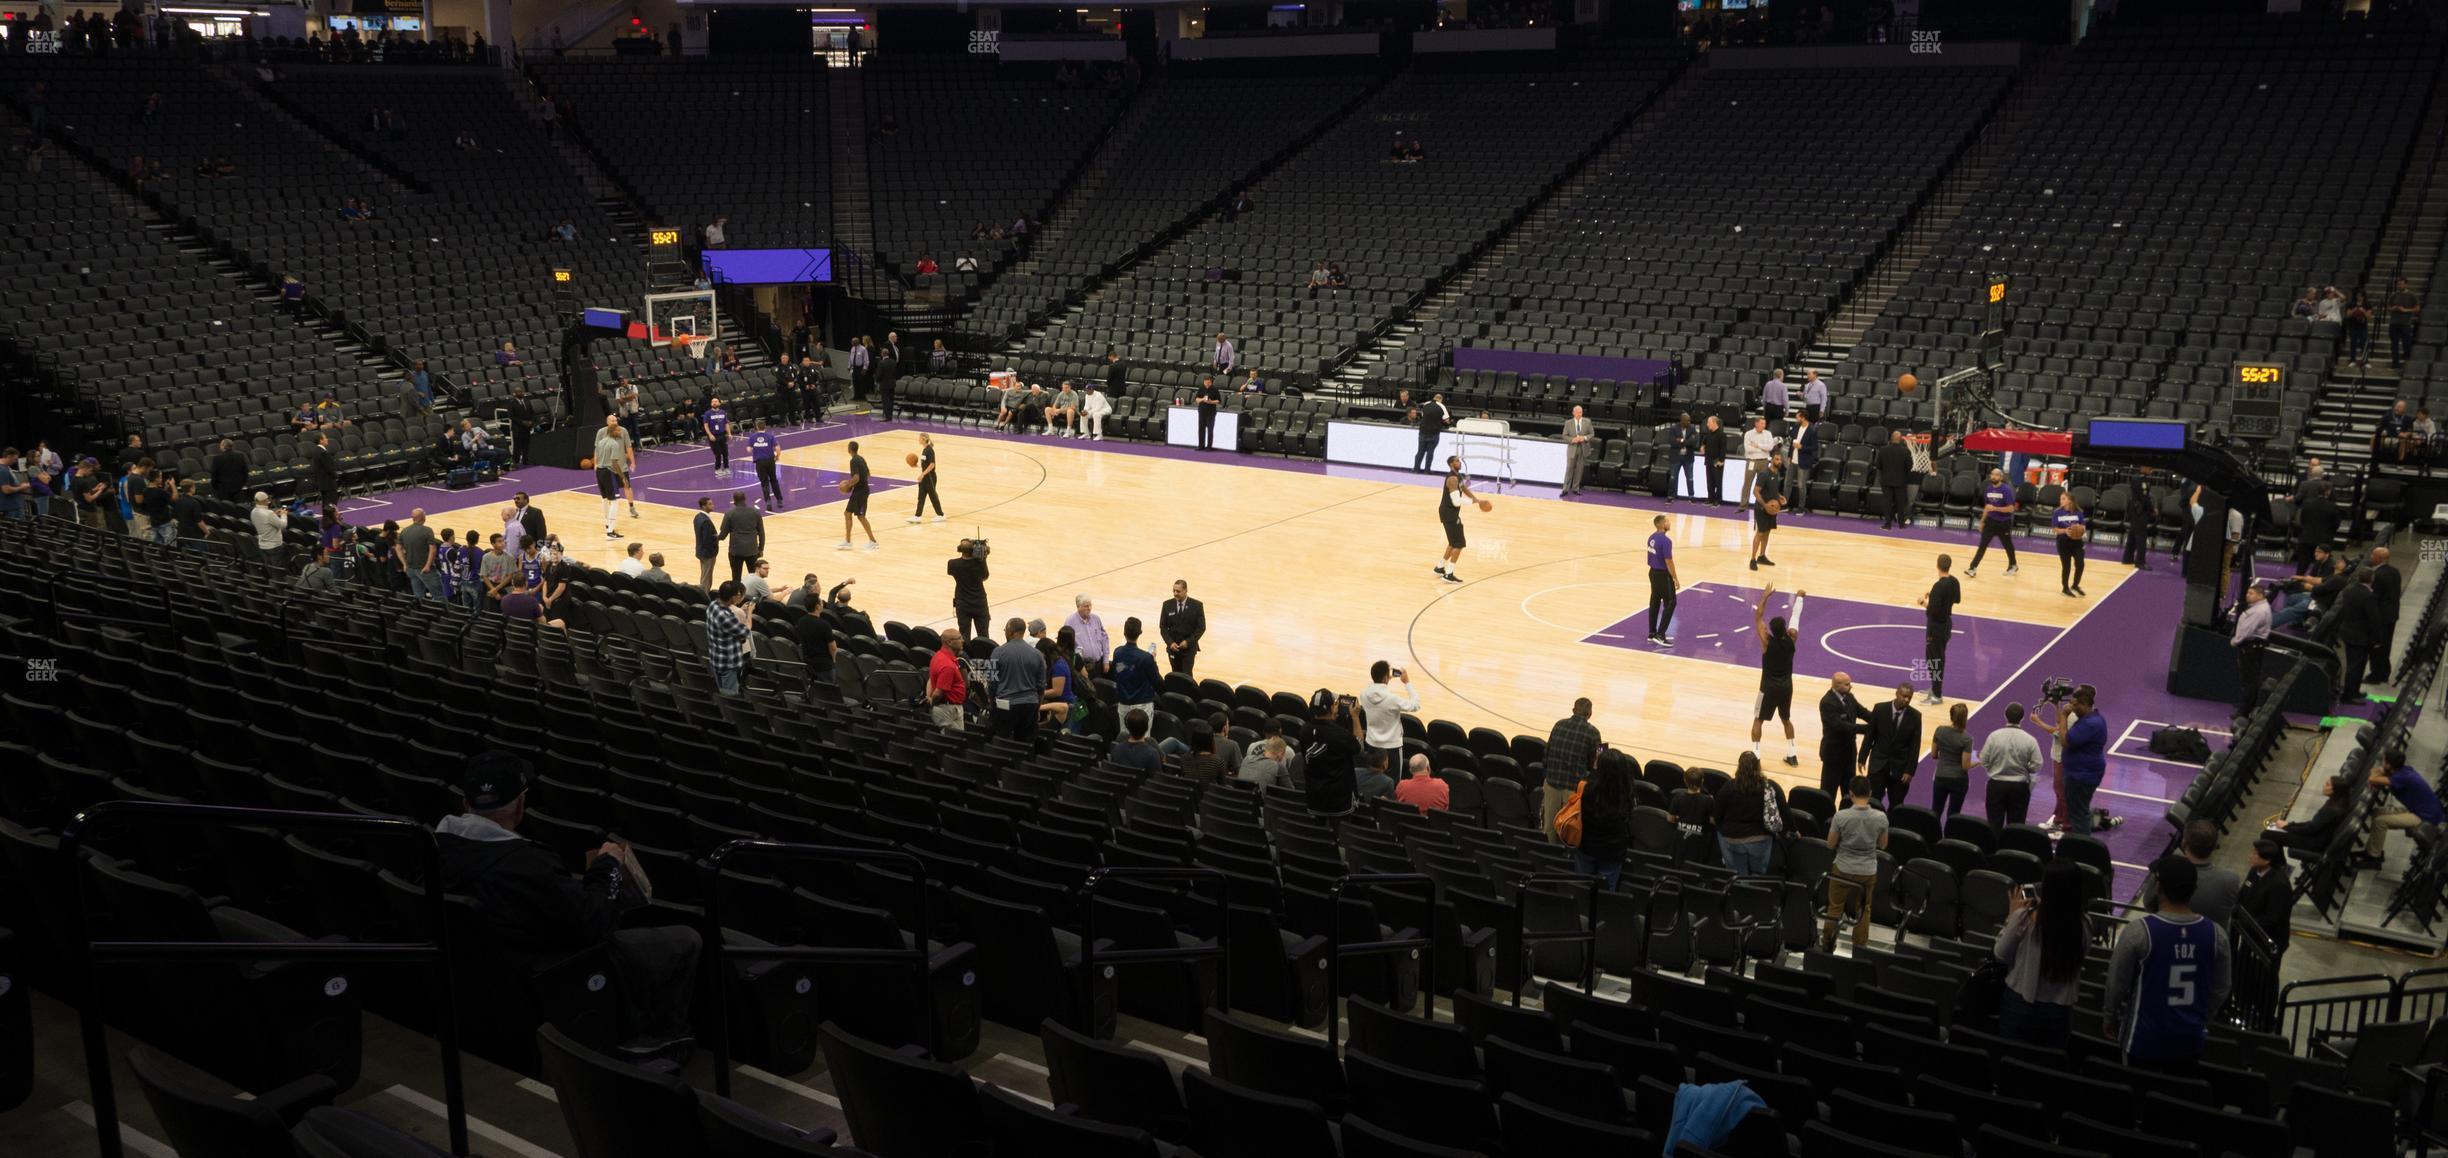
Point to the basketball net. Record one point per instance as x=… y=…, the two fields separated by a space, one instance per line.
x=692 y=343
x=1919 y=445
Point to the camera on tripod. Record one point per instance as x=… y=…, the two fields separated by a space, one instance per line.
x=2056 y=690
x=974 y=548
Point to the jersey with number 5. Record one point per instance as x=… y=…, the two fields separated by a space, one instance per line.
x=2170 y=1013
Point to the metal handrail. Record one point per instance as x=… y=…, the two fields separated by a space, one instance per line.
x=84 y=952
x=1425 y=944
x=915 y=957
x=1223 y=929
x=1524 y=938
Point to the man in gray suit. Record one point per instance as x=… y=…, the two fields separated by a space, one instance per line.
x=1580 y=437
x=744 y=526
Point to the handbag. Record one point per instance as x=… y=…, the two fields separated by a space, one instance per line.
x=1982 y=993
x=1568 y=818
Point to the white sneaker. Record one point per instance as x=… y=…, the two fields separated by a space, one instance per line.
x=938 y=518
x=872 y=545
x=2011 y=568
x=913 y=520
x=1932 y=701
x=1097 y=438
x=844 y=545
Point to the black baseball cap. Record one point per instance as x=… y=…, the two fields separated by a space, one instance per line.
x=492 y=780
x=1321 y=700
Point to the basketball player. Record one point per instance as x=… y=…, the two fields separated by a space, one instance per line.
x=761 y=451
x=1939 y=625
x=718 y=436
x=1998 y=508
x=1449 y=511
x=856 y=508
x=926 y=481
x=2072 y=526
x=1777 y=640
x=1662 y=582
x=1768 y=497
x=2169 y=973
x=615 y=459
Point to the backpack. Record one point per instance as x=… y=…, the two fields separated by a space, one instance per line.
x=1568 y=818
x=2180 y=744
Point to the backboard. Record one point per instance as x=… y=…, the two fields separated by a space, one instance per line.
x=682 y=313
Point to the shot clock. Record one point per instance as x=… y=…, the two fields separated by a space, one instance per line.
x=2256 y=399
x=662 y=243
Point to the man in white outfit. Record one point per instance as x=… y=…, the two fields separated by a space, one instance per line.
x=1381 y=708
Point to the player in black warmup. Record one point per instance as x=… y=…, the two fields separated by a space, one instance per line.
x=926 y=481
x=1939 y=623
x=1449 y=512
x=1777 y=640
x=1767 y=498
x=856 y=487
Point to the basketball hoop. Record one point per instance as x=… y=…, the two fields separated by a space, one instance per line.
x=693 y=344
x=1919 y=445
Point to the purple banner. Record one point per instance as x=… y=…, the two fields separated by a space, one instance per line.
x=1592 y=366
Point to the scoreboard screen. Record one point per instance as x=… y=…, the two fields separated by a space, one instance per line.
x=663 y=243
x=2256 y=399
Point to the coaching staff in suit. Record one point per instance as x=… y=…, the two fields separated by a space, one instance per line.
x=325 y=469
x=2317 y=519
x=1894 y=466
x=2388 y=588
x=1180 y=624
x=2358 y=624
x=1894 y=747
x=1842 y=719
x=708 y=542
x=229 y=472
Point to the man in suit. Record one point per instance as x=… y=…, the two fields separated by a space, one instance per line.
x=2356 y=617
x=530 y=518
x=2314 y=476
x=2316 y=523
x=229 y=472
x=1842 y=718
x=1893 y=747
x=1226 y=355
x=1432 y=418
x=1686 y=452
x=1938 y=625
x=887 y=372
x=1805 y=456
x=325 y=469
x=1115 y=384
x=1181 y=623
x=2387 y=587
x=1712 y=459
x=708 y=540
x=1894 y=466
x=744 y=526
x=2141 y=515
x=1580 y=436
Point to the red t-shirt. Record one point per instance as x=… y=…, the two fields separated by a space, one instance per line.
x=945 y=675
x=1426 y=793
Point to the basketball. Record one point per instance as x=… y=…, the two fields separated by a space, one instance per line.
x=1485 y=505
x=2075 y=532
x=1774 y=507
x=1906 y=383
x=586 y=464
x=910 y=459
x=846 y=484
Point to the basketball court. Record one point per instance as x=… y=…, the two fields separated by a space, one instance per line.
x=1310 y=571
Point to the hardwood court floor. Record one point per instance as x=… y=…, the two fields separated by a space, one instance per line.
x=1309 y=574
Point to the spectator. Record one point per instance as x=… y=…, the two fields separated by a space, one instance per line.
x=1331 y=750
x=713 y=235
x=939 y=359
x=2419 y=438
x=1691 y=806
x=2332 y=306
x=1019 y=684
x=1251 y=385
x=2010 y=755
x=1572 y=751
x=1055 y=705
x=317 y=576
x=508 y=355
x=1857 y=833
x=1065 y=406
x=415 y=555
x=1269 y=762
x=2358 y=331
x=1382 y=709
x=2269 y=895
x=2307 y=305
x=634 y=564
x=948 y=683
x=729 y=620
x=1371 y=782
x=566 y=231
x=820 y=652
x=1952 y=778
x=1335 y=279
x=2405 y=311
x=1317 y=278
x=1606 y=820
x=1202 y=765
x=1423 y=791
x=2169 y=974
x=2042 y=944
x=1133 y=751
x=2215 y=889
x=1134 y=672
x=1089 y=630
x=1094 y=411
x=466 y=143
x=540 y=913
x=927 y=268
x=2412 y=804
x=1743 y=818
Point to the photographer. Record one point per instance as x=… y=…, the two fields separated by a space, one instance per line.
x=1332 y=751
x=968 y=572
x=2042 y=944
x=2083 y=733
x=1382 y=710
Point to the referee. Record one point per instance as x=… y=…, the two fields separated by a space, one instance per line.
x=1662 y=582
x=1939 y=623
x=1449 y=512
x=1776 y=640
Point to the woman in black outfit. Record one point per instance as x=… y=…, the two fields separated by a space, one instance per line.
x=1606 y=821
x=2269 y=893
x=2313 y=833
x=1743 y=839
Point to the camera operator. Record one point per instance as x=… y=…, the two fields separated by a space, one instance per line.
x=1332 y=751
x=2082 y=732
x=968 y=572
